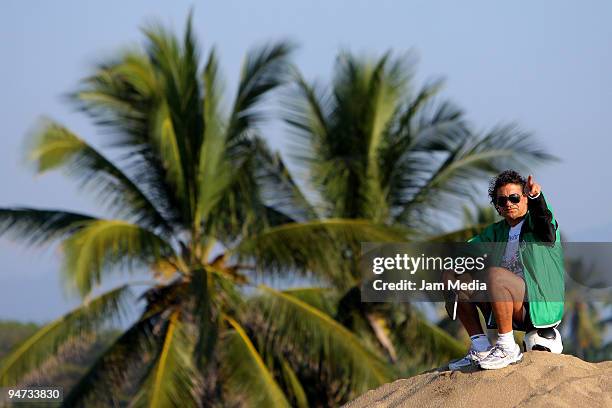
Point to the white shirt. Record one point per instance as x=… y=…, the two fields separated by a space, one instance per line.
x=512 y=260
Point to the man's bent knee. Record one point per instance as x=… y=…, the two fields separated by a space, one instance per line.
x=503 y=285
x=463 y=295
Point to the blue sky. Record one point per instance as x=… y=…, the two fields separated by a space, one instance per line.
x=545 y=65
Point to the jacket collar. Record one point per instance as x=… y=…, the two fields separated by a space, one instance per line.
x=527 y=227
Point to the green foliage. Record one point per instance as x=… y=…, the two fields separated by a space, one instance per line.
x=248 y=375
x=584 y=322
x=169 y=381
x=38 y=226
x=316 y=247
x=190 y=176
x=199 y=199
x=11 y=333
x=86 y=319
x=62 y=371
x=103 y=244
x=104 y=381
x=377 y=150
x=436 y=346
x=53 y=146
x=321 y=338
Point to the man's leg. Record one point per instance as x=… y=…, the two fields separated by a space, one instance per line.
x=468 y=316
x=467 y=313
x=507 y=292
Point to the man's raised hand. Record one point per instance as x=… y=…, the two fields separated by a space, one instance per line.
x=532 y=188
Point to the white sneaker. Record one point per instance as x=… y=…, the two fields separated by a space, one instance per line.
x=501 y=357
x=472 y=358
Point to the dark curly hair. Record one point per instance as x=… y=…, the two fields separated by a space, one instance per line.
x=503 y=178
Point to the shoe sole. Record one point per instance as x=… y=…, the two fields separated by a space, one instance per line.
x=458 y=368
x=516 y=361
x=472 y=363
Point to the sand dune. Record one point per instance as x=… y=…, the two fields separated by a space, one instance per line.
x=540 y=380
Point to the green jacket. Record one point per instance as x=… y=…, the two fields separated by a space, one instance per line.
x=542 y=257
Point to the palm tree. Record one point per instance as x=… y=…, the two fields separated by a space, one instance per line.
x=374 y=148
x=377 y=150
x=197 y=198
x=584 y=320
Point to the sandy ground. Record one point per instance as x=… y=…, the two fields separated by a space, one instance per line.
x=540 y=380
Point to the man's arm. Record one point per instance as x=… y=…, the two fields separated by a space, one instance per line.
x=544 y=224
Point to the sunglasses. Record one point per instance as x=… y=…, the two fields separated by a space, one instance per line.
x=513 y=198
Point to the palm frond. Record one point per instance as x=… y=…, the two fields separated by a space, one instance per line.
x=386 y=89
x=234 y=196
x=119 y=96
x=123 y=97
x=179 y=123
x=319 y=247
x=227 y=169
x=167 y=143
x=247 y=374
x=470 y=160
x=54 y=146
x=424 y=97
x=300 y=326
x=250 y=189
x=214 y=173
x=171 y=378
x=324 y=299
x=103 y=244
x=435 y=346
x=410 y=133
x=439 y=127
x=343 y=130
x=86 y=318
x=111 y=369
x=278 y=189
x=307 y=110
x=293 y=385
x=264 y=69
x=40 y=226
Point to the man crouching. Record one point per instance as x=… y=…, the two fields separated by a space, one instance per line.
x=525 y=287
